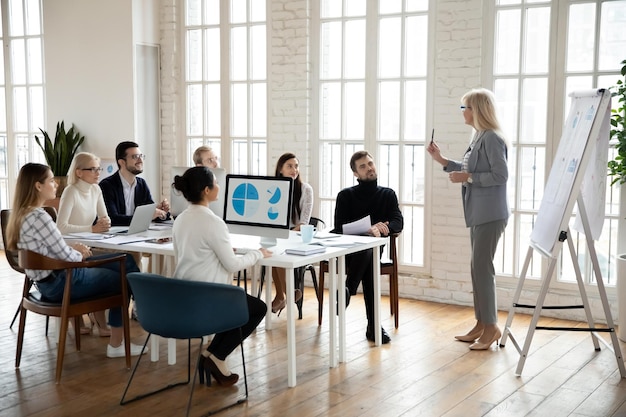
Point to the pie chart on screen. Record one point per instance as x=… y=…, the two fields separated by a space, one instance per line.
x=272 y=214
x=245 y=200
x=275 y=195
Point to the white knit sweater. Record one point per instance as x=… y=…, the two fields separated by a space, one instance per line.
x=80 y=204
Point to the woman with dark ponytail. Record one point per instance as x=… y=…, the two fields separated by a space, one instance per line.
x=204 y=253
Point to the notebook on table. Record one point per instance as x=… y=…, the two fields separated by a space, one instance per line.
x=304 y=250
x=140 y=222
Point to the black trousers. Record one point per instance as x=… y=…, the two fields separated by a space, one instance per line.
x=359 y=270
x=224 y=343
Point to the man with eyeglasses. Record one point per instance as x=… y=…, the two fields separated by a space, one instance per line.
x=124 y=190
x=205 y=156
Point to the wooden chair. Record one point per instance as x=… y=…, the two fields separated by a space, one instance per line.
x=11 y=255
x=33 y=301
x=387 y=267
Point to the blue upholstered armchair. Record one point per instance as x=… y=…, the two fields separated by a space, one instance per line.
x=175 y=308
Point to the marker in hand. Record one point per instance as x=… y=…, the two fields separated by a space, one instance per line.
x=432 y=137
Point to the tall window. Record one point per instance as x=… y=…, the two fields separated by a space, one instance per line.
x=226 y=81
x=372 y=95
x=21 y=90
x=531 y=83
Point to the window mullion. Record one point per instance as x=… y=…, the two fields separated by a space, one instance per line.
x=225 y=85
x=371 y=78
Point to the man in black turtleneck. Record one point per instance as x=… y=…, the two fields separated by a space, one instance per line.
x=354 y=203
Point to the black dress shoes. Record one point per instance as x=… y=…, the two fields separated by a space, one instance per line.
x=369 y=334
x=347 y=299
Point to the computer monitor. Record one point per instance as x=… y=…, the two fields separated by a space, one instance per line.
x=258 y=206
x=109 y=166
x=178 y=202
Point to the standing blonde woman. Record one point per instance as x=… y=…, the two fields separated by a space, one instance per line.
x=82 y=209
x=483 y=174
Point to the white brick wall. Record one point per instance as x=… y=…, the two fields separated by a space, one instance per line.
x=457 y=68
x=289 y=69
x=172 y=96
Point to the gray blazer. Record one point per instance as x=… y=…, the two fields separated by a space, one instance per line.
x=485 y=199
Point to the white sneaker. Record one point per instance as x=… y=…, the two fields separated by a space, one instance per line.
x=120 y=352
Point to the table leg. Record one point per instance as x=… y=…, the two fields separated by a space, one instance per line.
x=341 y=276
x=377 y=332
x=332 y=316
x=56 y=328
x=169 y=266
x=291 y=330
x=268 y=296
x=154 y=340
x=154 y=348
x=156 y=264
x=253 y=280
x=171 y=351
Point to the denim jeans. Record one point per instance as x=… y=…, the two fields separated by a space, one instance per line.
x=87 y=282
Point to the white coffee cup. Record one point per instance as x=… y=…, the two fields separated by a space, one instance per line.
x=307 y=232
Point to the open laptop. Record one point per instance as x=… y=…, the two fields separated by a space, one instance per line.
x=178 y=203
x=140 y=223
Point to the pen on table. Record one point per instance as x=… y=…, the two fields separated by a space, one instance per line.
x=432 y=136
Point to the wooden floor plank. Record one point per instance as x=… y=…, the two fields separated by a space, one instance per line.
x=423 y=372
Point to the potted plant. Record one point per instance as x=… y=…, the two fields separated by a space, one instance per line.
x=59 y=154
x=617 y=169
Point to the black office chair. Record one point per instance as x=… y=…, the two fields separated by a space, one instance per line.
x=182 y=309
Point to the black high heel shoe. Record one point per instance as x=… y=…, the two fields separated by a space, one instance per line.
x=202 y=371
x=211 y=369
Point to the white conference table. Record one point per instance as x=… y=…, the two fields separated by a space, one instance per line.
x=337 y=347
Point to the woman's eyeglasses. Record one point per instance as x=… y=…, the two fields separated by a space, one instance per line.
x=463 y=108
x=92 y=169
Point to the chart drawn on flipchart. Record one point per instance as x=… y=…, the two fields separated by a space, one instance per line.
x=594 y=182
x=574 y=149
x=580 y=159
x=558 y=191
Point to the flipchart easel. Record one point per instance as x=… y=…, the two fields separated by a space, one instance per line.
x=584 y=140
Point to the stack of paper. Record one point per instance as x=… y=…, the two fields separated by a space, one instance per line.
x=304 y=250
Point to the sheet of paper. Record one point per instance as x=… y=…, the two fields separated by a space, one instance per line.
x=120 y=240
x=160 y=226
x=342 y=241
x=359 y=227
x=322 y=234
x=88 y=236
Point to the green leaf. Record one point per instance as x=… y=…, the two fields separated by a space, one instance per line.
x=617 y=167
x=59 y=155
